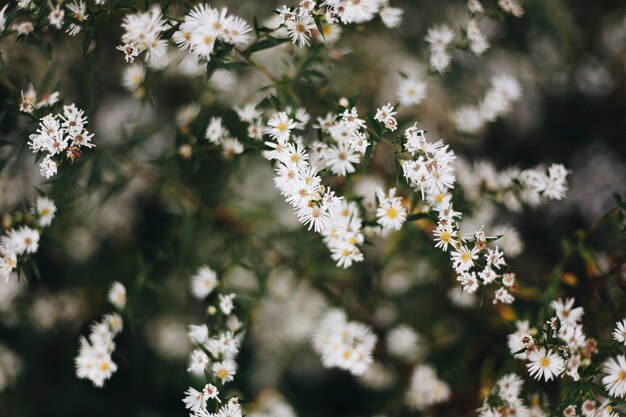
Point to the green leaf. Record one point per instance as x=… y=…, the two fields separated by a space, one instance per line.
x=44 y=47
x=89 y=34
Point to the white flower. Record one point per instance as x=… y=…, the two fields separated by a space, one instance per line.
x=8 y=263
x=203 y=282
x=20 y=241
x=512 y=7
x=403 y=342
x=198 y=362
x=225 y=370
x=468 y=119
x=426 y=388
x=195 y=401
x=248 y=113
x=94 y=357
x=385 y=115
x=343 y=344
x=358 y=11
x=299 y=28
x=444 y=235
x=45 y=209
x=231 y=147
x=619 y=334
x=280 y=126
x=390 y=213
x=198 y=333
x=56 y=17
x=515 y=340
x=391 y=16
x=117 y=295
x=48 y=167
x=133 y=76
x=478 y=42
x=546 y=365
x=226 y=303
x=463 y=258
x=565 y=312
x=439 y=37
x=340 y=159
x=3 y=18
x=210 y=391
x=142 y=33
x=410 y=91
x=503 y=296
x=229 y=410
x=510 y=387
x=615 y=379
x=215 y=131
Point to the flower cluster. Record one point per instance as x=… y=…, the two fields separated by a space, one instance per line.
x=505 y=399
x=513 y=7
x=94 y=360
x=315 y=205
x=430 y=168
x=561 y=349
x=31 y=102
x=60 y=134
x=503 y=92
x=513 y=187
x=143 y=33
x=217 y=134
x=343 y=344
x=19 y=242
x=301 y=25
x=538 y=187
x=591 y=408
x=201 y=31
x=385 y=115
x=56 y=18
x=426 y=389
x=205 y=26
x=347 y=130
x=216 y=348
x=478 y=43
x=439 y=39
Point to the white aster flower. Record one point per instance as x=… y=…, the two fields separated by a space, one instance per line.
x=619 y=334
x=410 y=91
x=226 y=303
x=203 y=282
x=615 y=379
x=546 y=365
x=117 y=295
x=45 y=209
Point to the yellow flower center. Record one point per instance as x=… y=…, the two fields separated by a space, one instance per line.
x=544 y=362
x=222 y=373
x=392 y=213
x=466 y=257
x=445 y=236
x=282 y=127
